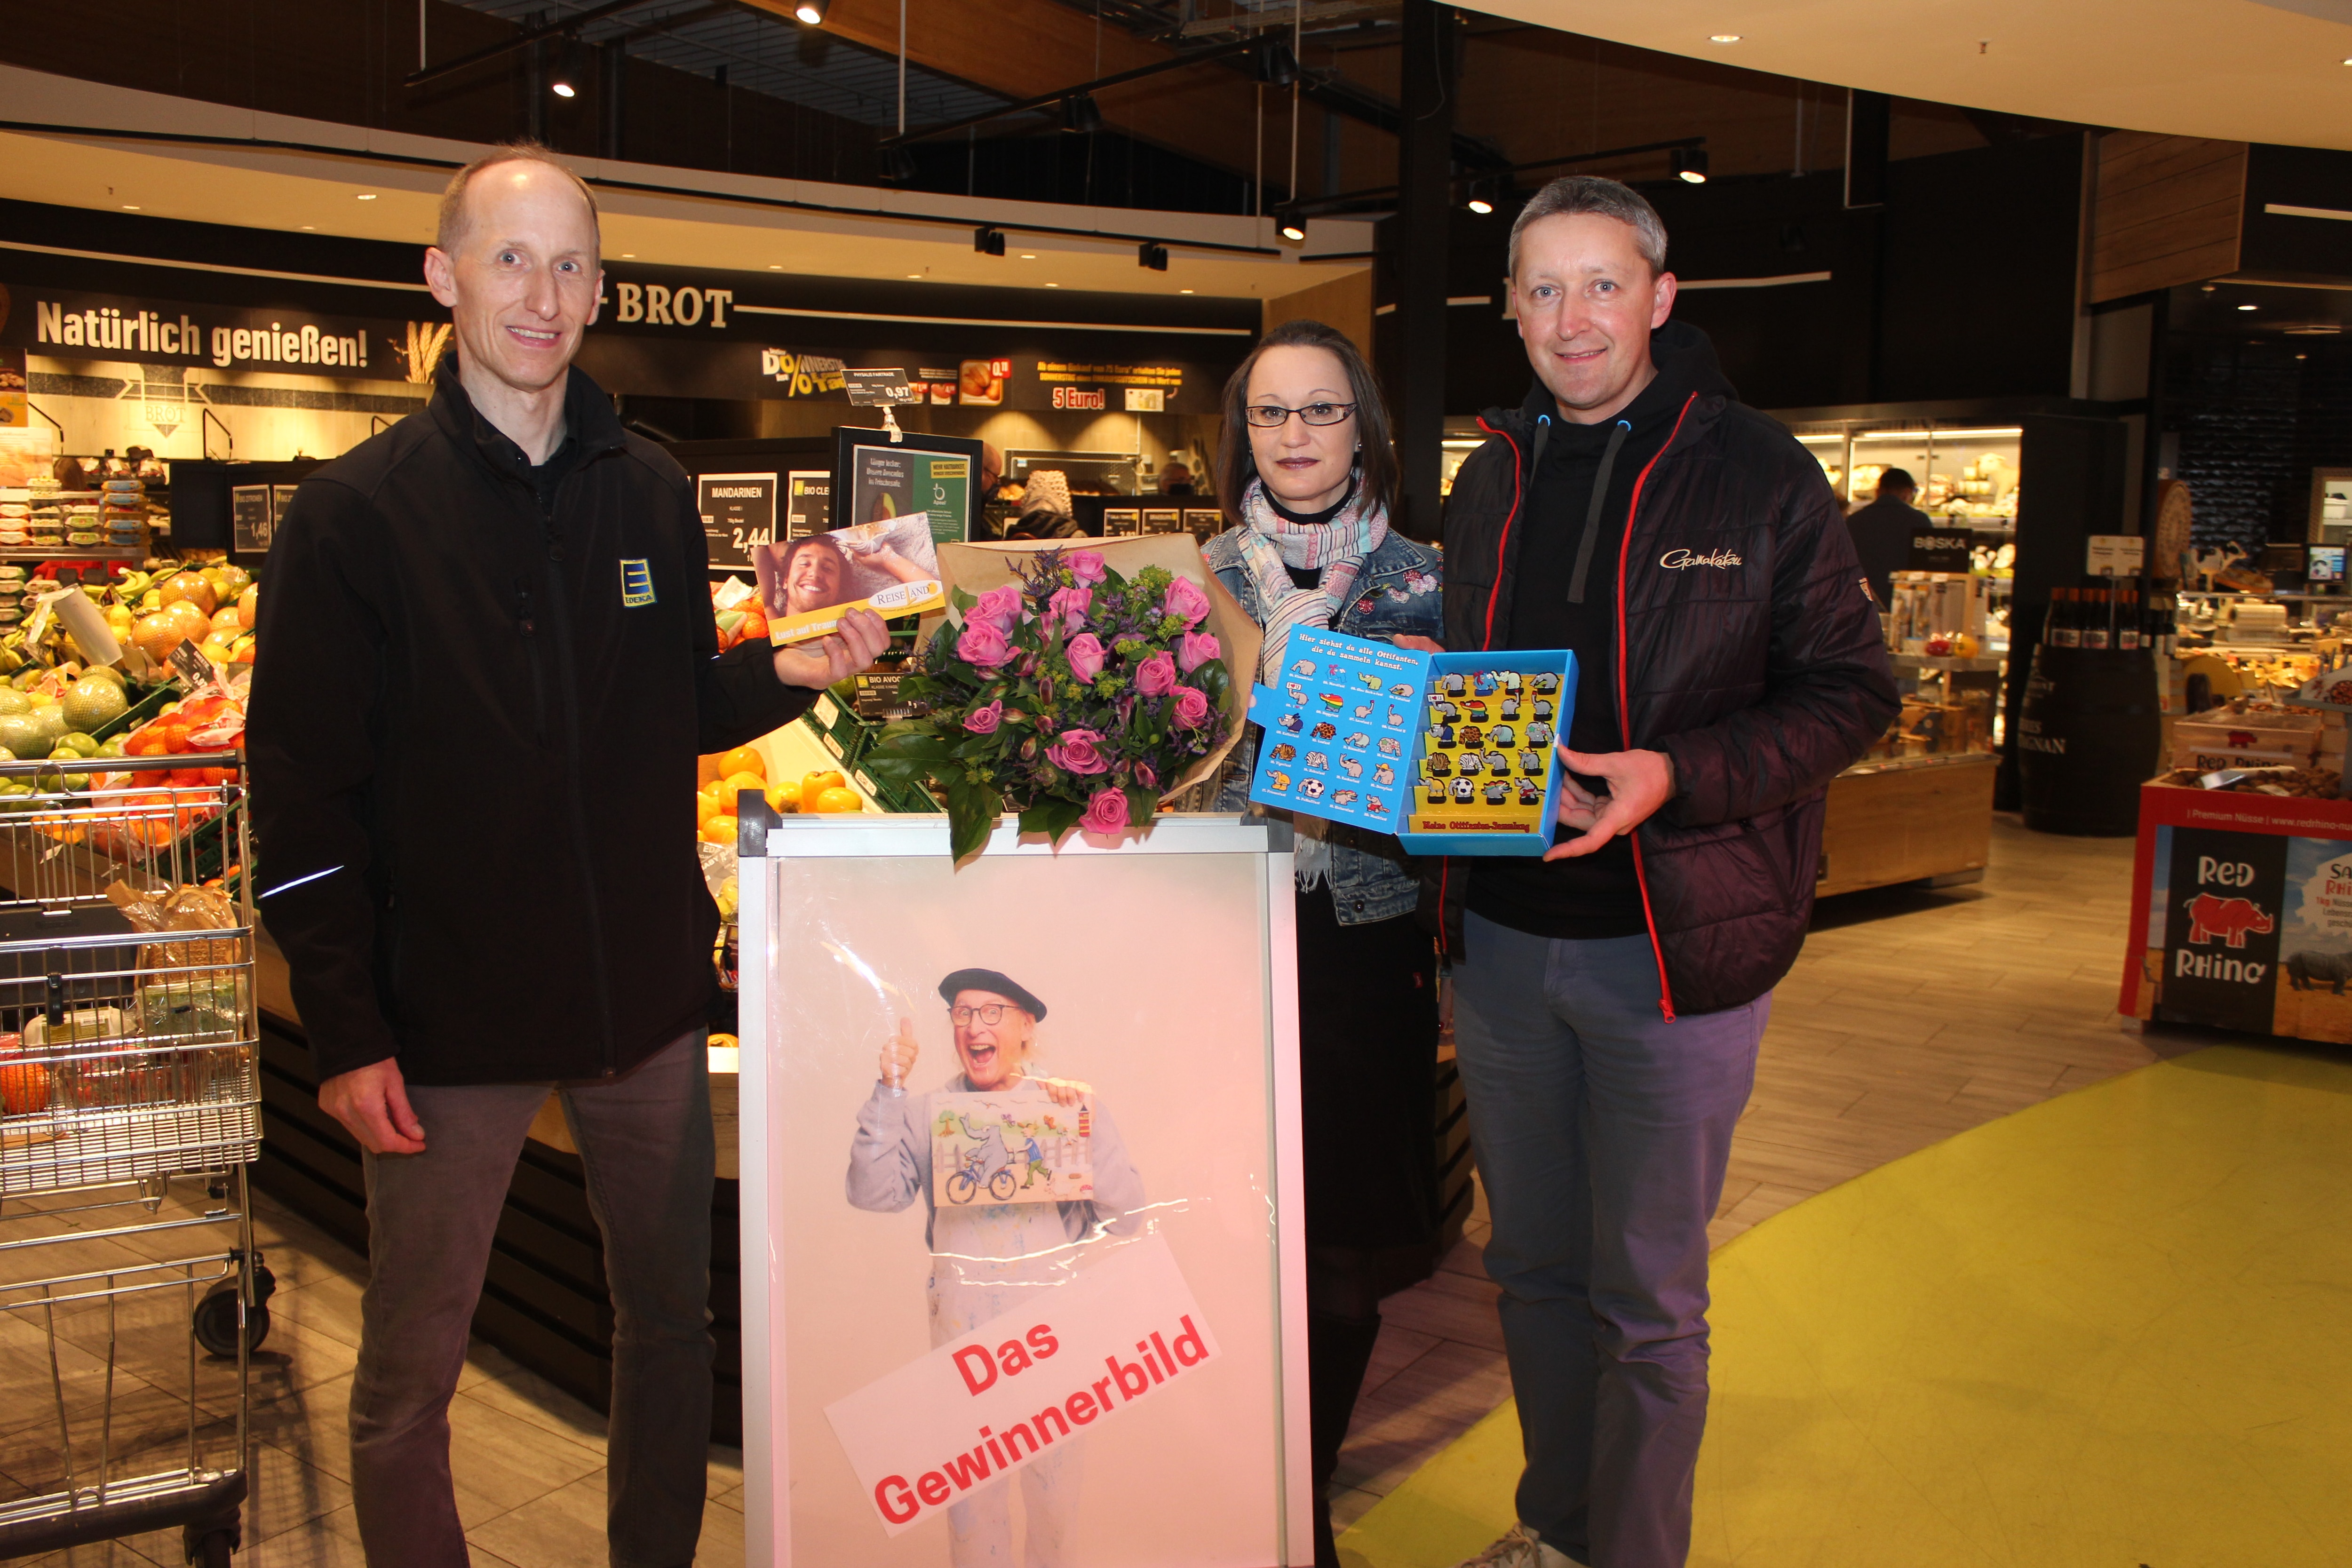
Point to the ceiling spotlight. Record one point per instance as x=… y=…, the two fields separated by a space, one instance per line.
x=1482 y=195
x=1288 y=224
x=565 y=80
x=1151 y=257
x=364 y=196
x=988 y=241
x=1689 y=165
x=897 y=164
x=1272 y=62
x=810 y=13
x=2245 y=307
x=1081 y=116
x=1723 y=37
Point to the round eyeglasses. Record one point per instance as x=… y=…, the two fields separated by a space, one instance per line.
x=1273 y=416
x=992 y=1015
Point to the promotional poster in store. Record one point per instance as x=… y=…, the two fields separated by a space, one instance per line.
x=1024 y=1207
x=2246 y=914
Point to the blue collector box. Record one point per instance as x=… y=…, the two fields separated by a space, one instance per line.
x=1453 y=752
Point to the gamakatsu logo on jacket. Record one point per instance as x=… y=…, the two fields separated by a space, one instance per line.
x=1675 y=560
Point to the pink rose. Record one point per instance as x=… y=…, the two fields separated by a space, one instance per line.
x=982 y=645
x=1086 y=566
x=1185 y=600
x=1078 y=751
x=1106 y=813
x=999 y=606
x=1071 y=605
x=1156 y=676
x=1086 y=656
x=1192 y=707
x=1196 y=649
x=985 y=721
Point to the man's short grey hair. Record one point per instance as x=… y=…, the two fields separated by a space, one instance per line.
x=455 y=219
x=1574 y=194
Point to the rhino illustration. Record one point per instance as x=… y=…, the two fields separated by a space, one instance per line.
x=2228 y=919
x=2309 y=970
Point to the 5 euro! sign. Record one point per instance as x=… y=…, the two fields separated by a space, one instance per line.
x=982 y=1406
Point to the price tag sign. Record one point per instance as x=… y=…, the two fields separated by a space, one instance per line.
x=877 y=388
x=2114 y=555
x=738 y=515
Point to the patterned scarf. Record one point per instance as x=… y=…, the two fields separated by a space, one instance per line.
x=1271 y=544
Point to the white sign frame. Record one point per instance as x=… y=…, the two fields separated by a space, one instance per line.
x=767 y=1456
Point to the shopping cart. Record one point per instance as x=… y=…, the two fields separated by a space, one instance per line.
x=130 y=1294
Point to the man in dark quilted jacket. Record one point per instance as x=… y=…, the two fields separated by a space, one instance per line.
x=1610 y=996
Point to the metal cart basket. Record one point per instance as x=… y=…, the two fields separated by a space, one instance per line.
x=130 y=1294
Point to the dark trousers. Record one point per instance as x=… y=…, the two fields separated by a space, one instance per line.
x=1601 y=1133
x=645 y=1140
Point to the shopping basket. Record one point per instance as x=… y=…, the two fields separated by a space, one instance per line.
x=130 y=1294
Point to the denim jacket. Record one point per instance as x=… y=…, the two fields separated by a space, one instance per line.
x=1396 y=595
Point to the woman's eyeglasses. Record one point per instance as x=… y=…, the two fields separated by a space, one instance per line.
x=992 y=1015
x=1272 y=417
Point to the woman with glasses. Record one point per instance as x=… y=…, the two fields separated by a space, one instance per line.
x=1306 y=475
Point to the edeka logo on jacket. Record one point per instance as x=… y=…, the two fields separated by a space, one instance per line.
x=637 y=585
x=1676 y=560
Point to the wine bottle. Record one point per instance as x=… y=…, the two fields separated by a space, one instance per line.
x=2070 y=625
x=2098 y=620
x=2127 y=622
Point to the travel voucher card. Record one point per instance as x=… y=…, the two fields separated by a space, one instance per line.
x=1451 y=751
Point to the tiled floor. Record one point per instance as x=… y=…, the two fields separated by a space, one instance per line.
x=1911 y=1016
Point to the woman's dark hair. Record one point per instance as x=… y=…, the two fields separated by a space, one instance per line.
x=1376 y=463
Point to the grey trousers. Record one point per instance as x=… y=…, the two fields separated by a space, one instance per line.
x=645 y=1140
x=1601 y=1131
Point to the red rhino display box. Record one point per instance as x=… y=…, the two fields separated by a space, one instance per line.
x=2242 y=914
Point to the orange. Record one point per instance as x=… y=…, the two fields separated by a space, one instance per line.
x=720 y=829
x=192 y=589
x=738 y=783
x=784 y=799
x=816 y=784
x=839 y=799
x=705 y=808
x=24 y=1088
x=745 y=760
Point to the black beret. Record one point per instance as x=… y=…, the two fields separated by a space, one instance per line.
x=990 y=980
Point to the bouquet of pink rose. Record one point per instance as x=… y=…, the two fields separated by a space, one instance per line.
x=1072 y=697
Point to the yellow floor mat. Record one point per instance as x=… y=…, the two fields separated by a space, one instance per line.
x=2112 y=1331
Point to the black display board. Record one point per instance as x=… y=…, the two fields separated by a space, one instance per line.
x=874 y=476
x=772 y=459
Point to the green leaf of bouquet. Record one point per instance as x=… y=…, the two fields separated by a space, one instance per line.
x=1052 y=818
x=1141 y=805
x=961 y=600
x=972 y=813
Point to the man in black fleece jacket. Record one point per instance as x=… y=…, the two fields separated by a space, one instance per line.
x=489 y=661
x=1610 y=996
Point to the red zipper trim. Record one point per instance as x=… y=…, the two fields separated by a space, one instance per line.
x=1625 y=715
x=1502 y=543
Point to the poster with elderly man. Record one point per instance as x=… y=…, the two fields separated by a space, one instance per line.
x=1022 y=1199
